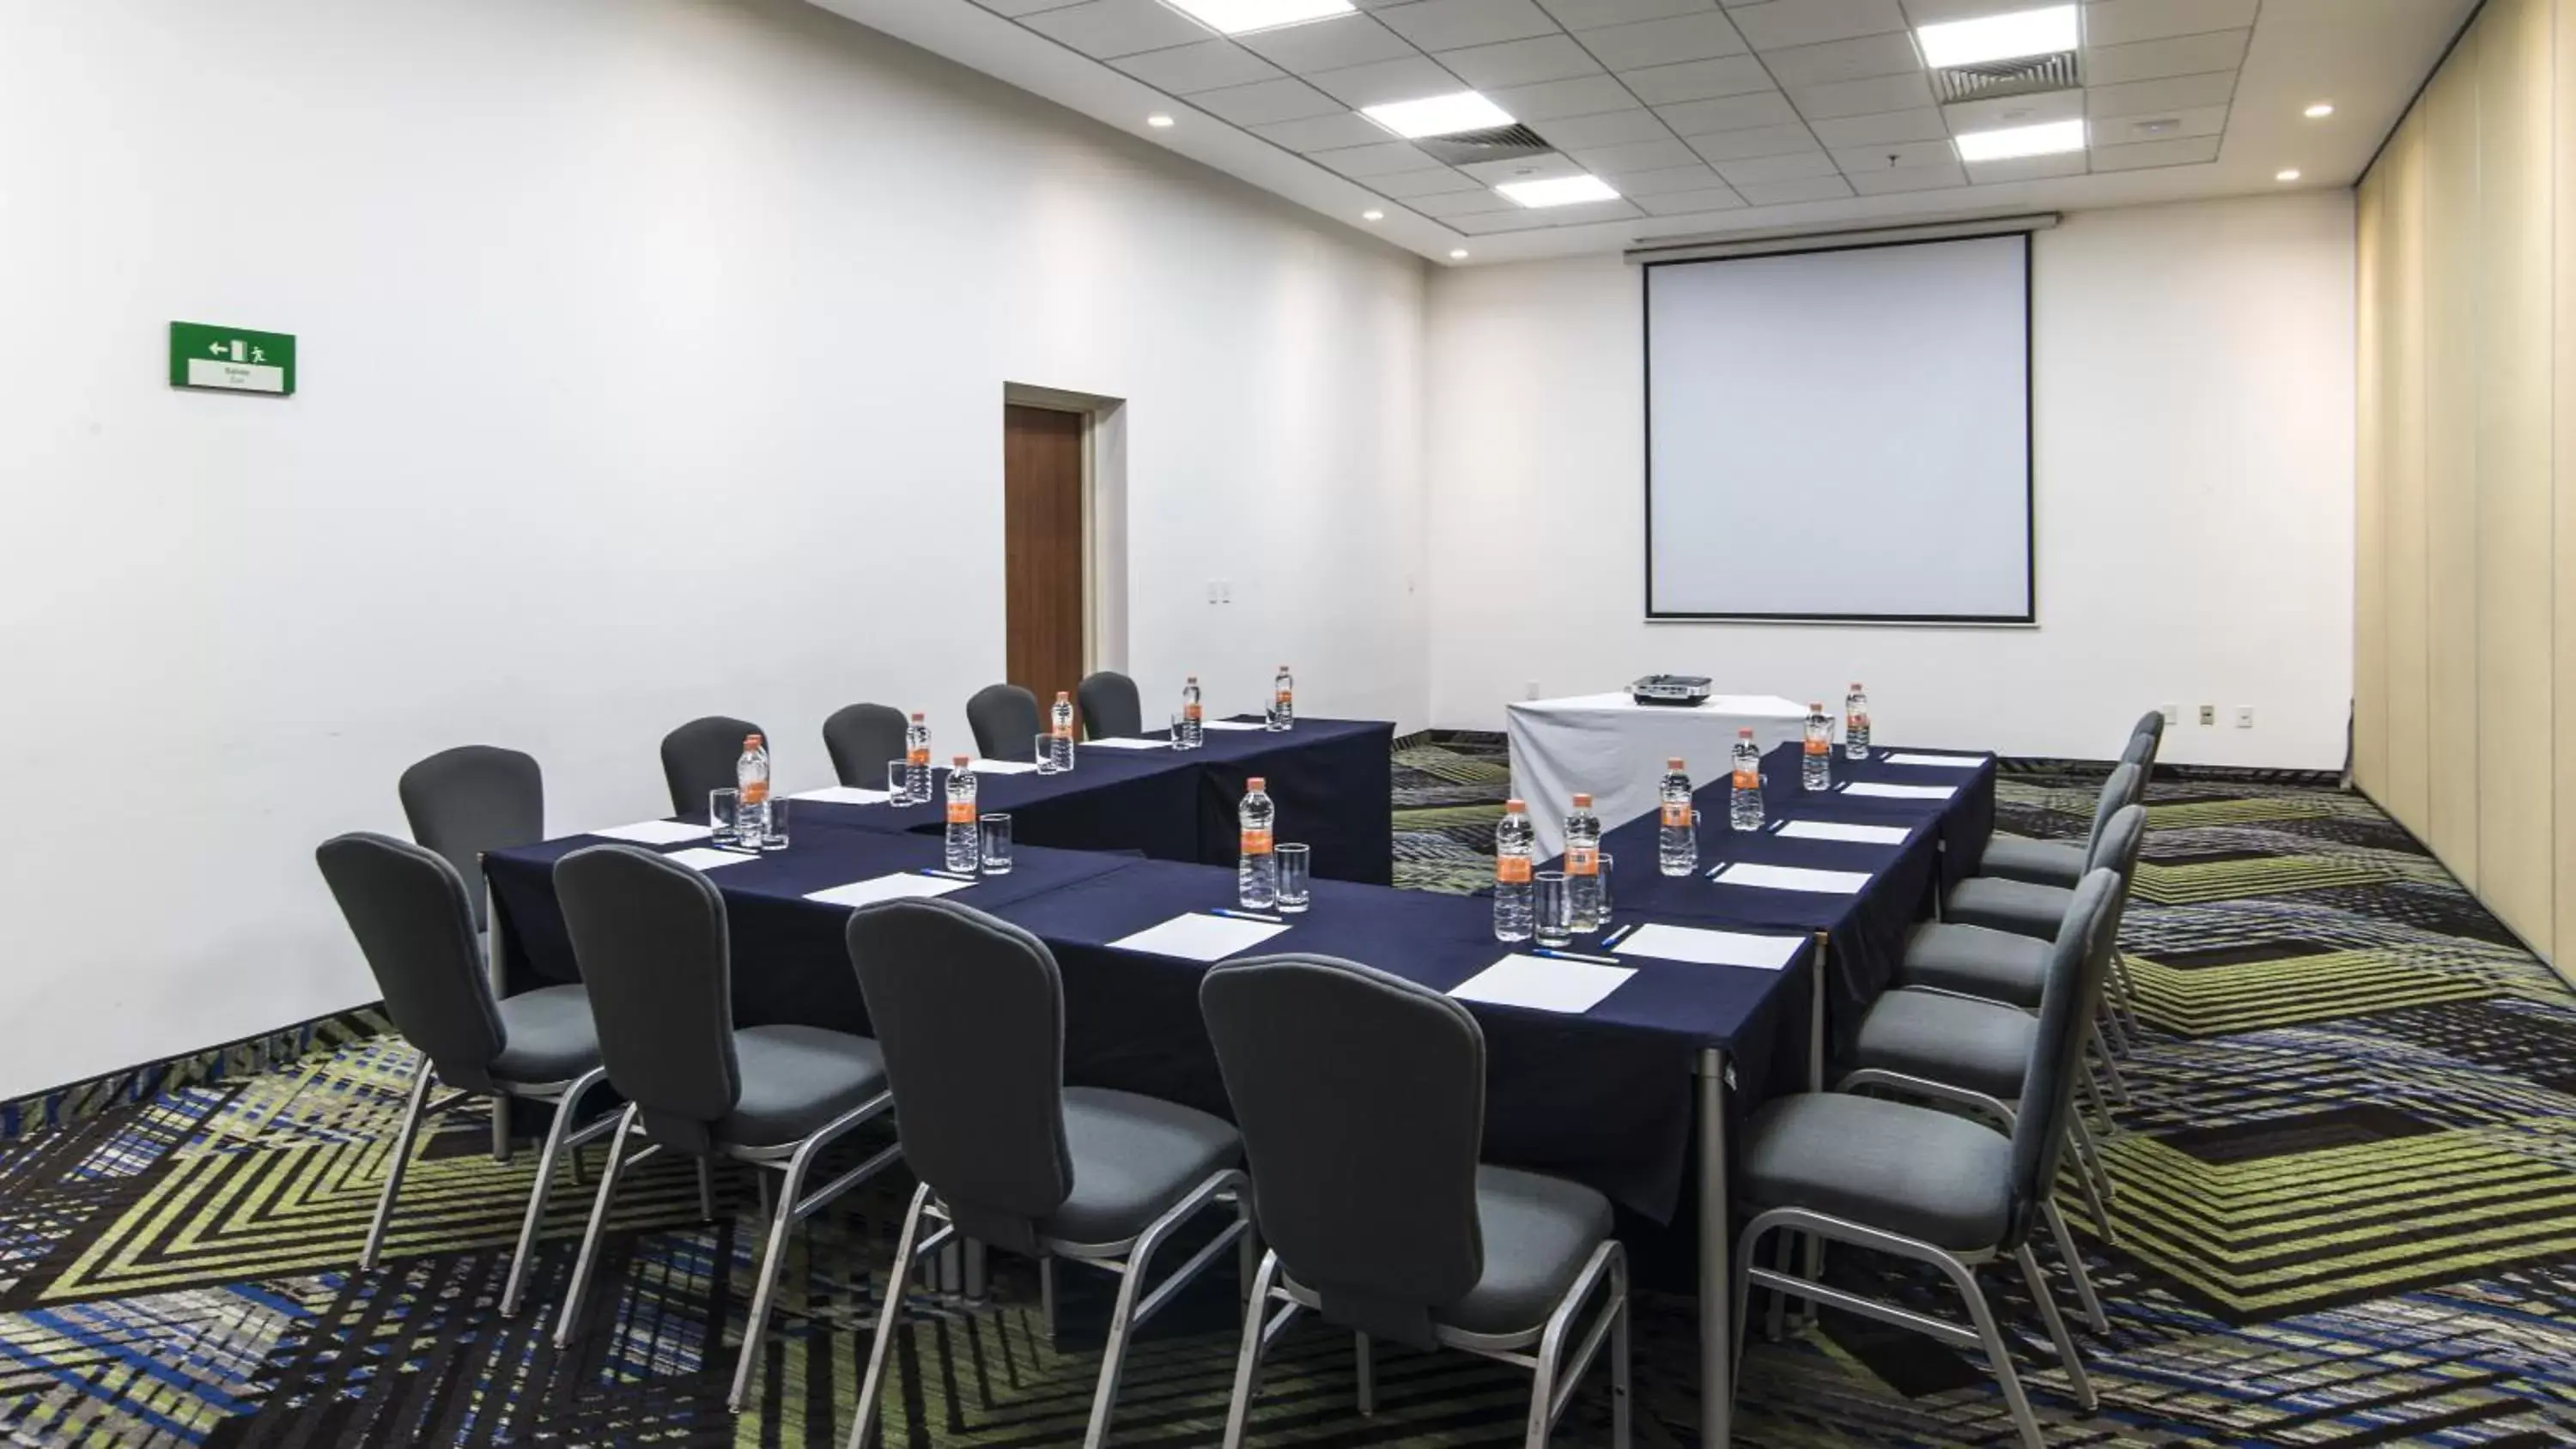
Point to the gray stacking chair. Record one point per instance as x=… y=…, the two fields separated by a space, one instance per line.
x=2026 y=907
x=862 y=740
x=473 y=799
x=698 y=759
x=1919 y=1183
x=649 y=937
x=1110 y=708
x=2058 y=862
x=1362 y=1101
x=1006 y=722
x=408 y=908
x=970 y=1012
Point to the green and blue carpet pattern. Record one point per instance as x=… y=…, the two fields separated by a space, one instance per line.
x=2346 y=1217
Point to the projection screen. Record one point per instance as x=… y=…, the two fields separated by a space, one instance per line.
x=1841 y=435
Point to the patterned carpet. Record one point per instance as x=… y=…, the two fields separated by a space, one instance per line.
x=2346 y=1217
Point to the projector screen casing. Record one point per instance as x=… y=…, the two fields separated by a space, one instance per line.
x=1935 y=334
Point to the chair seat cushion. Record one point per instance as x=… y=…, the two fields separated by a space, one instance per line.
x=1538 y=1231
x=795 y=1079
x=2008 y=905
x=1975 y=961
x=1983 y=1046
x=1133 y=1157
x=2040 y=862
x=546 y=1037
x=1888 y=1165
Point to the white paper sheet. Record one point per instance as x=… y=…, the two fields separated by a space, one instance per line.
x=1836 y=830
x=903 y=885
x=1004 y=767
x=1711 y=948
x=1793 y=878
x=707 y=857
x=1122 y=742
x=1199 y=937
x=1877 y=791
x=1939 y=762
x=1544 y=983
x=655 y=832
x=1233 y=724
x=842 y=795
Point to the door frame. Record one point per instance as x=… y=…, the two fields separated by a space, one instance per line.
x=1104 y=515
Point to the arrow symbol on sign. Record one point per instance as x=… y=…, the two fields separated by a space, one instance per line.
x=215 y=349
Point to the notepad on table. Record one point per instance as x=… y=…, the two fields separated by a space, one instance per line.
x=1793 y=878
x=707 y=857
x=1004 y=767
x=1199 y=937
x=842 y=795
x=901 y=886
x=1878 y=791
x=1712 y=948
x=1836 y=830
x=1543 y=983
x=655 y=832
x=1124 y=742
x=1939 y=762
x=1233 y=724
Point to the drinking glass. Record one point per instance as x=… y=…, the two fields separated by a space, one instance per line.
x=724 y=812
x=1605 y=889
x=898 y=783
x=1296 y=869
x=1181 y=734
x=1043 y=751
x=773 y=827
x=1550 y=910
x=994 y=833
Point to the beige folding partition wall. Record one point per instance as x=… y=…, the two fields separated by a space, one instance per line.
x=2465 y=623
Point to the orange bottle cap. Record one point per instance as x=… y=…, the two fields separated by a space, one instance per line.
x=1515 y=807
x=1675 y=763
x=917 y=716
x=1817 y=708
x=1061 y=696
x=1745 y=733
x=1855 y=686
x=960 y=761
x=751 y=742
x=1582 y=802
x=1255 y=783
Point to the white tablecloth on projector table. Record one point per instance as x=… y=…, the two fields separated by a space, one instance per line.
x=1614 y=748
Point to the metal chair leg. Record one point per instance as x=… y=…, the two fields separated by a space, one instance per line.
x=881 y=1349
x=570 y=1315
x=782 y=1228
x=1742 y=1264
x=1622 y=1411
x=556 y=1133
x=1046 y=1295
x=1367 y=1374
x=399 y=1157
x=2076 y=1377
x=1247 y=1359
x=2084 y=1294
x=1998 y=1356
x=2086 y=1181
x=2124 y=992
x=2111 y=1071
x=706 y=1191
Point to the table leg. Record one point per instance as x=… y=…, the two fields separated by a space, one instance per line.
x=1812 y=1255
x=1716 y=1288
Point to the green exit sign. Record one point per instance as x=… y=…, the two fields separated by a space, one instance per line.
x=231 y=359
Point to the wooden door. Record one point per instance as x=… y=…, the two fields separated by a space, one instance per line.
x=1042 y=548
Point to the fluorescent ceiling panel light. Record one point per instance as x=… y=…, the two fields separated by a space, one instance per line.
x=2015 y=141
x=1998 y=37
x=1438 y=115
x=1239 y=17
x=2319 y=111
x=2291 y=174
x=1558 y=191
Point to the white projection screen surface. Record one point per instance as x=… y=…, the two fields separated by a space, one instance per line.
x=1841 y=435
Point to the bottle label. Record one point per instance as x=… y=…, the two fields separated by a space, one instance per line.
x=1677 y=816
x=919 y=755
x=1858 y=720
x=1512 y=869
x=961 y=812
x=1818 y=744
x=1285 y=697
x=756 y=793
x=1062 y=732
x=1190 y=712
x=1748 y=779
x=1582 y=860
x=1256 y=842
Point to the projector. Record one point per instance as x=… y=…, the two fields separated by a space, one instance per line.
x=1685 y=691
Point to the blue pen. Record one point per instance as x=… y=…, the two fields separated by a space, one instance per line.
x=1246 y=916
x=946 y=874
x=1578 y=956
x=1615 y=937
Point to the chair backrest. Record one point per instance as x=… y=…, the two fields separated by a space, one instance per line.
x=969 y=1012
x=2120 y=788
x=407 y=907
x=862 y=740
x=1005 y=720
x=698 y=759
x=1361 y=1098
x=2118 y=854
x=2076 y=961
x=648 y=935
x=2152 y=725
x=471 y=799
x=1110 y=708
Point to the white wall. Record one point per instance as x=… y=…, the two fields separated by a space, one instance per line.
x=2194 y=384
x=653 y=355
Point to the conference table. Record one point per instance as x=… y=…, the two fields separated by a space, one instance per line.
x=1634 y=1095
x=1612 y=748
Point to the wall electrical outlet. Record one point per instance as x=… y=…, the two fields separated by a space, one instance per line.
x=2173 y=715
x=2245 y=717
x=2209 y=714
x=1533 y=690
x=1216 y=592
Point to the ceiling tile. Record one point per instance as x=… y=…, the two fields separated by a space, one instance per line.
x=1844 y=60
x=1585 y=213
x=1384 y=159
x=1343 y=41
x=1480 y=198
x=1102 y=29
x=2027 y=168
x=1323 y=133
x=1687 y=203
x=1933 y=12
x=1732 y=113
x=1778 y=24
x=2171 y=126
x=1609 y=128
x=1923 y=124
x=1201 y=67
x=1700 y=80
x=1438 y=181
x=1863 y=97
x=1589 y=14
x=1908 y=178
x=1449 y=24
x=1807 y=188
x=1753 y=141
x=2174 y=93
x=2117 y=22
x=1524 y=168
x=1519 y=62
x=1266 y=101
x=1024 y=7
x=1671 y=178
x=1635 y=156
x=1776 y=168
x=2191 y=150
x=1663 y=42
x=1387 y=80
x=2107 y=65
x=1893 y=156
x=1583 y=96
x=1514 y=218
x=1966 y=116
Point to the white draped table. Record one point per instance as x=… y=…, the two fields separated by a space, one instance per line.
x=1614 y=748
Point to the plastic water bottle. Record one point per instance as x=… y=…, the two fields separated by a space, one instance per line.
x=1193 y=718
x=1817 y=770
x=1744 y=799
x=916 y=762
x=1856 y=723
x=1583 y=866
x=1515 y=839
x=1283 y=700
x=1677 y=840
x=964 y=851
x=1256 y=871
x=751 y=778
x=1060 y=733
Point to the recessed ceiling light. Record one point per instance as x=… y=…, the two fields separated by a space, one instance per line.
x=1372 y=214
x=2286 y=173
x=1458 y=254
x=1438 y=115
x=1998 y=37
x=2319 y=111
x=1238 y=17
x=1558 y=191
x=2046 y=139
x=1159 y=121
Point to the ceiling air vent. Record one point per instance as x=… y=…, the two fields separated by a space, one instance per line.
x=1991 y=80
x=1502 y=143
